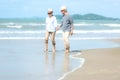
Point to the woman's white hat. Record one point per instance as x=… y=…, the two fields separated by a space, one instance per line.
x=50 y=10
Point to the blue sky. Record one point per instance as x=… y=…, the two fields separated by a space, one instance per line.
x=33 y=8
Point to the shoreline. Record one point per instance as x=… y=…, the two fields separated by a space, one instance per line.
x=82 y=60
x=100 y=64
x=34 y=48
x=59 y=38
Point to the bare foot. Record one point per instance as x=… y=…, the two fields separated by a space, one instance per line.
x=54 y=50
x=46 y=50
x=67 y=51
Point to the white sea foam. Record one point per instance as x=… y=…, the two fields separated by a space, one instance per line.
x=11 y=25
x=111 y=25
x=97 y=31
x=82 y=60
x=43 y=24
x=14 y=26
x=33 y=24
x=84 y=24
x=58 y=38
x=21 y=32
x=75 y=31
x=76 y=24
x=101 y=24
x=24 y=24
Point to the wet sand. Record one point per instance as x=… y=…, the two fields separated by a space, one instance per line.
x=100 y=64
x=26 y=59
x=115 y=40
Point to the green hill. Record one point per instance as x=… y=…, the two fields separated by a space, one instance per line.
x=88 y=17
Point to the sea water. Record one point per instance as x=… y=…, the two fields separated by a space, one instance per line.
x=83 y=29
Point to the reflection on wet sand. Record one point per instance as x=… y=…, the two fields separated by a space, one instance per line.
x=47 y=61
x=49 y=66
x=66 y=63
x=52 y=61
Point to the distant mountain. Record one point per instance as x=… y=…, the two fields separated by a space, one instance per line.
x=90 y=16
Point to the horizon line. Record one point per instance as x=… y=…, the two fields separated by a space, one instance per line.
x=55 y=15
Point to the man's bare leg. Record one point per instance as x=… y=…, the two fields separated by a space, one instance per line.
x=66 y=41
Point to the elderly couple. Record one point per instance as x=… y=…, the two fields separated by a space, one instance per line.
x=51 y=28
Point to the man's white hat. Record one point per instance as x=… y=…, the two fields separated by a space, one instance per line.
x=50 y=10
x=63 y=8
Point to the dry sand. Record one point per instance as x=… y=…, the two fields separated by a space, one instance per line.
x=100 y=64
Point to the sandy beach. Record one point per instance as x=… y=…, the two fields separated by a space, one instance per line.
x=100 y=64
x=25 y=59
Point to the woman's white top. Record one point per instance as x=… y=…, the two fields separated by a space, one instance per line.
x=51 y=24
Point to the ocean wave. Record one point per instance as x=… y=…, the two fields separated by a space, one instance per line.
x=99 y=24
x=84 y=24
x=11 y=25
x=97 y=31
x=21 y=32
x=33 y=24
x=21 y=25
x=58 y=38
x=76 y=24
x=111 y=25
x=75 y=31
x=14 y=26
